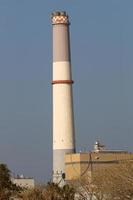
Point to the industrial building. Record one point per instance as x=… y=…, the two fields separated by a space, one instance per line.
x=23 y=182
x=67 y=164
x=83 y=164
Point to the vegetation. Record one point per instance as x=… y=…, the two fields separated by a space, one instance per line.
x=49 y=192
x=112 y=183
x=7 y=188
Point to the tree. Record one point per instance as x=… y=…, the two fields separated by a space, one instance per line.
x=7 y=188
x=31 y=194
x=115 y=182
x=51 y=191
x=110 y=183
x=68 y=192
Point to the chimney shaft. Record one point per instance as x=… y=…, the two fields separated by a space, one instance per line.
x=63 y=116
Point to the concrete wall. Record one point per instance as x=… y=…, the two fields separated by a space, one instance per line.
x=24 y=182
x=83 y=164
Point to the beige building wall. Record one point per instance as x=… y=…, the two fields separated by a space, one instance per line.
x=24 y=182
x=84 y=164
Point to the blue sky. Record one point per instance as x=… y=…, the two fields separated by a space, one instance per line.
x=101 y=48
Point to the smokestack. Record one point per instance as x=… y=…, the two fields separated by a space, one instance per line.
x=63 y=116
